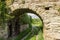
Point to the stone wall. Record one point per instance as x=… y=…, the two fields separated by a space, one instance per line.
x=24 y=27
x=51 y=17
x=3 y=32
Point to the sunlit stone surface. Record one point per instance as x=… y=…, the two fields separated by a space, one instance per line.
x=51 y=17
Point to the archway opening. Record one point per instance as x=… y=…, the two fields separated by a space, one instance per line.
x=19 y=27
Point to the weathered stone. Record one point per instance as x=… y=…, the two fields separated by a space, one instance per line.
x=51 y=17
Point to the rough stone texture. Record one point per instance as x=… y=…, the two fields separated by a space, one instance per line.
x=24 y=27
x=51 y=17
x=3 y=32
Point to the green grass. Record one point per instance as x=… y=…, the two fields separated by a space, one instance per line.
x=33 y=38
x=40 y=35
x=22 y=34
x=32 y=35
x=29 y=36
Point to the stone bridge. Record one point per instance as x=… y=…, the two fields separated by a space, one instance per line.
x=48 y=11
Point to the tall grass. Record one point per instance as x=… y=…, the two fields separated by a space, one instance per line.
x=40 y=35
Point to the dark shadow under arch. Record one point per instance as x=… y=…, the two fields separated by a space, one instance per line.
x=19 y=12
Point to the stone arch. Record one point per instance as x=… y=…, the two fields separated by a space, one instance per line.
x=25 y=10
x=21 y=11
